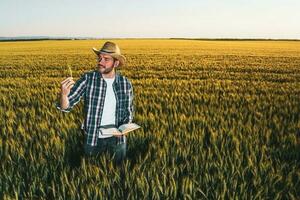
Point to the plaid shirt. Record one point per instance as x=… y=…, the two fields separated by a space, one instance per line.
x=92 y=87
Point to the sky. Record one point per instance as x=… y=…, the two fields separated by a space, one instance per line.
x=269 y=19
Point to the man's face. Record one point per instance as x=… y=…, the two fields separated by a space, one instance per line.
x=106 y=63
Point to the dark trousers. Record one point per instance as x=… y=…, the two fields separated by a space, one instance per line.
x=115 y=146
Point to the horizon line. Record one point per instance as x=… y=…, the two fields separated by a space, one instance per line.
x=25 y=38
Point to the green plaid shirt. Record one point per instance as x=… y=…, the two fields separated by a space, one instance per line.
x=92 y=88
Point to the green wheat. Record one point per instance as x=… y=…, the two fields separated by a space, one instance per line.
x=70 y=70
x=220 y=121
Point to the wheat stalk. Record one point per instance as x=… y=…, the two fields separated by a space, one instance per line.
x=70 y=70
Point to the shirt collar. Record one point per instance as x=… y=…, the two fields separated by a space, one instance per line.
x=117 y=76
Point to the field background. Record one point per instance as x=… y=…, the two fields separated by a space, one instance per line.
x=220 y=120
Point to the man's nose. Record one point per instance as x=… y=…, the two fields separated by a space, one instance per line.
x=101 y=62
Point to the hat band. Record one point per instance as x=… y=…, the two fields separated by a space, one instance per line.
x=107 y=51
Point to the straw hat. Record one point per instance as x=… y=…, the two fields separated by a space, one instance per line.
x=113 y=50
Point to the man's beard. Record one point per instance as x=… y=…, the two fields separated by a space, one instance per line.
x=105 y=70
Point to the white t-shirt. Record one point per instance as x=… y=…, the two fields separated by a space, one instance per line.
x=109 y=110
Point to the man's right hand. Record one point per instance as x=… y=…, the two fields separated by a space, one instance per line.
x=66 y=86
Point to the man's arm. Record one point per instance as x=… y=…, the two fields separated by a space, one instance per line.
x=130 y=106
x=64 y=102
x=71 y=93
x=66 y=86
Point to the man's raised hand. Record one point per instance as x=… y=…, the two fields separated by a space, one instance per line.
x=66 y=86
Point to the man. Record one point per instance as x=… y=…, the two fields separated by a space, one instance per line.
x=108 y=100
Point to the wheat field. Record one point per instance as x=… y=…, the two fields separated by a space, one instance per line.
x=220 y=120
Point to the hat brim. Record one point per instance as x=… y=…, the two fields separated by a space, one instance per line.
x=119 y=57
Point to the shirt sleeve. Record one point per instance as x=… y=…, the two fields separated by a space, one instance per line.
x=130 y=106
x=77 y=91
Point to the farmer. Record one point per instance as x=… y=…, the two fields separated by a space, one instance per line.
x=108 y=99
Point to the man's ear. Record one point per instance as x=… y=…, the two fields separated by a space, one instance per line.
x=116 y=64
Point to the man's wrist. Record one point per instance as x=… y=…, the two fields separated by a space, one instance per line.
x=64 y=95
